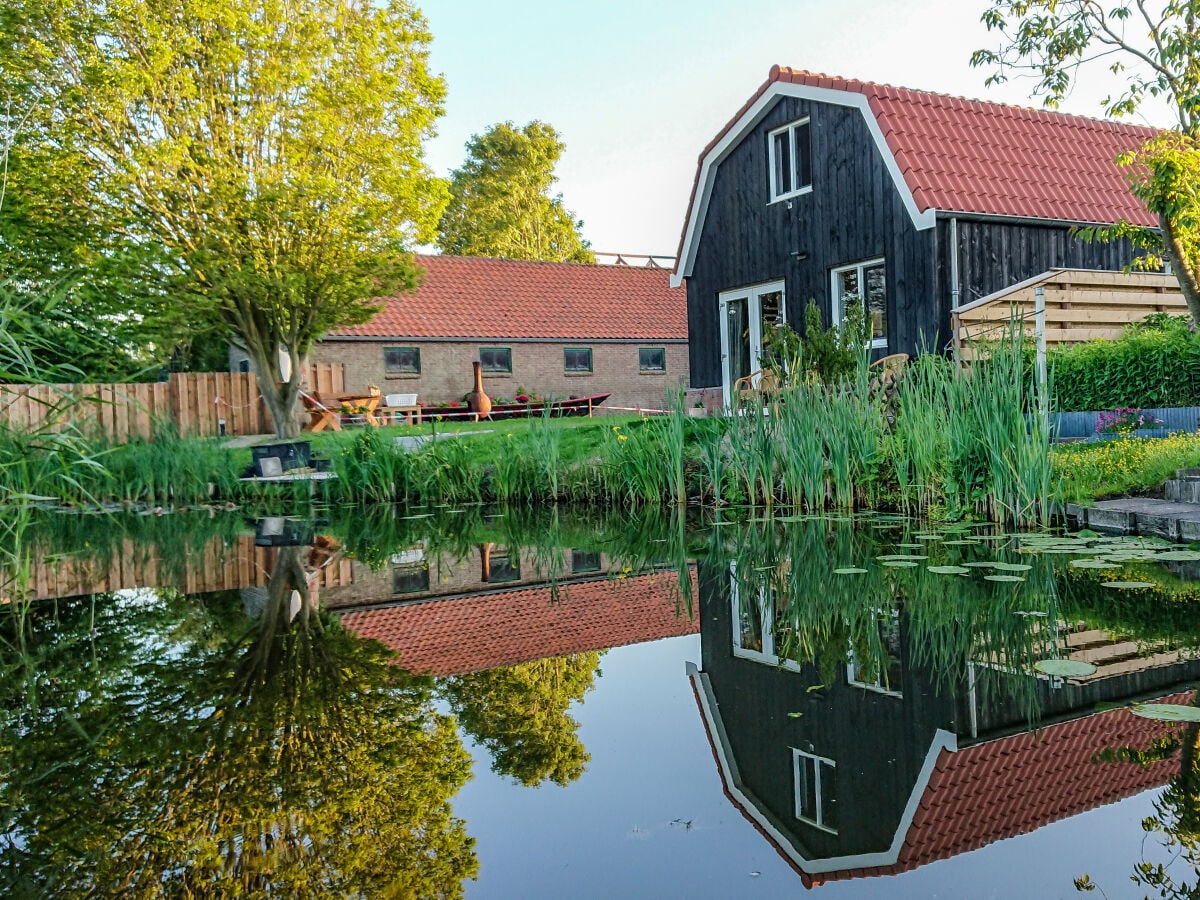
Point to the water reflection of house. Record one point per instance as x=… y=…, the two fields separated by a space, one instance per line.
x=471 y=632
x=873 y=774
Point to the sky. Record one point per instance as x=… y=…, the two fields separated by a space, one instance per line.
x=637 y=89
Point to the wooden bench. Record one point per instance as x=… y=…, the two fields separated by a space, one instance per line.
x=320 y=415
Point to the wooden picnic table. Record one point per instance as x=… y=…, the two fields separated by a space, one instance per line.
x=362 y=405
x=331 y=412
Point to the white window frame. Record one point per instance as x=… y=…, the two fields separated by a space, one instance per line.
x=839 y=314
x=766 y=607
x=753 y=295
x=800 y=758
x=790 y=128
x=852 y=664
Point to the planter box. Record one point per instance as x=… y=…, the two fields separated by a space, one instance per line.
x=1139 y=433
x=1078 y=425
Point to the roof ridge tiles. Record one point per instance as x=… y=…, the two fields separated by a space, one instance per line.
x=804 y=76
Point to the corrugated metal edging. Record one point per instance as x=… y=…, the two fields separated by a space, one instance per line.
x=1074 y=425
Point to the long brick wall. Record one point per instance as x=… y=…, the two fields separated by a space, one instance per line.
x=537 y=366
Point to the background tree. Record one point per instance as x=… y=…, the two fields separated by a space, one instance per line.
x=250 y=168
x=500 y=202
x=520 y=714
x=1151 y=48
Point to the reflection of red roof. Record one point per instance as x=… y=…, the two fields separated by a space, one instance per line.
x=476 y=297
x=972 y=156
x=1014 y=785
x=471 y=634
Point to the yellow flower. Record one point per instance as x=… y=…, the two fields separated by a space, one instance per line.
x=616 y=428
x=621 y=437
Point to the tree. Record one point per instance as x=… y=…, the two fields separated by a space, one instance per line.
x=283 y=756
x=500 y=203
x=520 y=714
x=1153 y=51
x=248 y=167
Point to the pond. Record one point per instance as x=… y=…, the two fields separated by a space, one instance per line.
x=509 y=703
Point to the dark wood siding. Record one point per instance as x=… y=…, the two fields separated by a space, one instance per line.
x=853 y=213
x=993 y=255
x=879 y=742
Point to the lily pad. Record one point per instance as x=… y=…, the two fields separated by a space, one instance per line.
x=947 y=570
x=1127 y=585
x=1179 y=555
x=911 y=546
x=1094 y=564
x=962 y=542
x=1167 y=712
x=1003 y=578
x=928 y=536
x=888 y=556
x=1064 y=668
x=849 y=570
x=979 y=564
x=1011 y=567
x=900 y=563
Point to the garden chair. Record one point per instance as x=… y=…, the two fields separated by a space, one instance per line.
x=885 y=372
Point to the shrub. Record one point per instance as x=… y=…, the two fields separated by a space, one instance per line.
x=1154 y=364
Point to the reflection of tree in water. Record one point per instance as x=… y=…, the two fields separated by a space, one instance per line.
x=1176 y=812
x=519 y=713
x=292 y=760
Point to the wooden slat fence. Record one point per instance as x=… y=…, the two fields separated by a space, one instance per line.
x=1081 y=305
x=217 y=568
x=199 y=403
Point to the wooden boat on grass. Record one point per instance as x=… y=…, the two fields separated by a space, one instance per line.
x=572 y=406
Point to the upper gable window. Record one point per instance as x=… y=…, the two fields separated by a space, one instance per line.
x=790 y=159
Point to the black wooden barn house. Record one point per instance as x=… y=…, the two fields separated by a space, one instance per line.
x=843 y=191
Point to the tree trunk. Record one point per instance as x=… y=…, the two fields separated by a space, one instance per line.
x=280 y=398
x=1189 y=279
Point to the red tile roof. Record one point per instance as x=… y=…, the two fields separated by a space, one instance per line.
x=1014 y=785
x=972 y=156
x=471 y=634
x=494 y=299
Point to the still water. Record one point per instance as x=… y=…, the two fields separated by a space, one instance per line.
x=494 y=703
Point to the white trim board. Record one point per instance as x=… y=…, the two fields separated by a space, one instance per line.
x=922 y=219
x=942 y=740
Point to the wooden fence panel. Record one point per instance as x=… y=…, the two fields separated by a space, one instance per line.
x=195 y=401
x=1080 y=306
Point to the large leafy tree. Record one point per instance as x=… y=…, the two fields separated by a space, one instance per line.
x=174 y=748
x=252 y=168
x=500 y=201
x=1151 y=50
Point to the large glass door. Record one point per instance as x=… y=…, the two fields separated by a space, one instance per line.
x=745 y=315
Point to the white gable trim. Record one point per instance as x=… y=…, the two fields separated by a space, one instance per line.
x=730 y=777
x=922 y=219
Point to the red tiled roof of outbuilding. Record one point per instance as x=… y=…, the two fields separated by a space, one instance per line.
x=975 y=156
x=479 y=297
x=470 y=634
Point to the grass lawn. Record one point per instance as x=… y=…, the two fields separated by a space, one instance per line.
x=580 y=434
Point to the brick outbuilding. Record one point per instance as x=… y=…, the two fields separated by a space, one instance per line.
x=550 y=329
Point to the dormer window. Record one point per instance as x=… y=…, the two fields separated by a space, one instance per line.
x=790 y=160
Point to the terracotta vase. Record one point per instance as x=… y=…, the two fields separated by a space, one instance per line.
x=477 y=401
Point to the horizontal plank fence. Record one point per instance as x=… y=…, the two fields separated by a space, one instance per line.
x=201 y=404
x=217 y=567
x=1081 y=305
